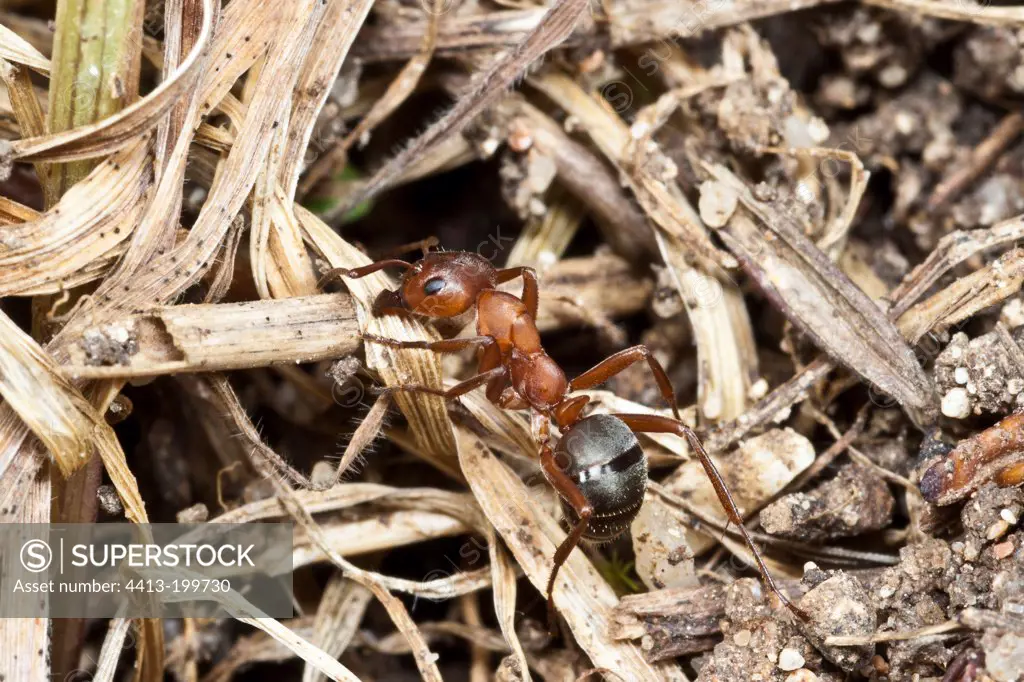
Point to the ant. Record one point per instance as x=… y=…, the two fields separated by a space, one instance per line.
x=597 y=466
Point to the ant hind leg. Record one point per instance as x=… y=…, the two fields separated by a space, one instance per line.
x=570 y=492
x=648 y=423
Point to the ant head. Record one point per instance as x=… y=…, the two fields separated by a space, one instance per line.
x=445 y=284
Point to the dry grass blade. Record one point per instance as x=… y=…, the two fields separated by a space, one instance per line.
x=981 y=13
x=113 y=647
x=629 y=23
x=952 y=250
x=24 y=655
x=60 y=416
x=17 y=50
x=399 y=529
x=326 y=56
x=250 y=615
x=185 y=264
x=582 y=596
x=337 y=619
x=603 y=285
x=79 y=237
x=503 y=581
x=368 y=430
x=216 y=337
x=351 y=494
x=966 y=296
x=12 y=213
x=545 y=238
x=426 y=661
x=726 y=353
x=124 y=127
x=816 y=295
x=31 y=119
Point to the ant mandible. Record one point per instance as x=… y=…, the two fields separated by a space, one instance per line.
x=597 y=466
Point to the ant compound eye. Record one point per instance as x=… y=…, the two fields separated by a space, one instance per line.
x=433 y=286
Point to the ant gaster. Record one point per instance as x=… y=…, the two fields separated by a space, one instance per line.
x=597 y=466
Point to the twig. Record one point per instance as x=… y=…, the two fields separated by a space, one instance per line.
x=859 y=640
x=981 y=158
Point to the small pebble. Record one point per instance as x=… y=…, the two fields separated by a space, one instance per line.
x=758 y=390
x=961 y=375
x=802 y=675
x=818 y=130
x=717 y=203
x=1003 y=549
x=997 y=530
x=956 y=404
x=489 y=146
x=1008 y=516
x=790 y=659
x=742 y=638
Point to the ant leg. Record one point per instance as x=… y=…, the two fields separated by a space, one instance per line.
x=356 y=273
x=649 y=423
x=452 y=393
x=445 y=346
x=529 y=296
x=618 y=362
x=570 y=492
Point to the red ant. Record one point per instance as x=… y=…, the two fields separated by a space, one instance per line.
x=597 y=467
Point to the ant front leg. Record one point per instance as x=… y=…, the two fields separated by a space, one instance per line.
x=649 y=423
x=614 y=364
x=356 y=273
x=444 y=346
x=570 y=492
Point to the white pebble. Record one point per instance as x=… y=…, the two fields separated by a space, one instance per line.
x=717 y=203
x=790 y=659
x=1008 y=516
x=956 y=404
x=742 y=638
x=997 y=530
x=758 y=390
x=961 y=376
x=818 y=130
x=489 y=146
